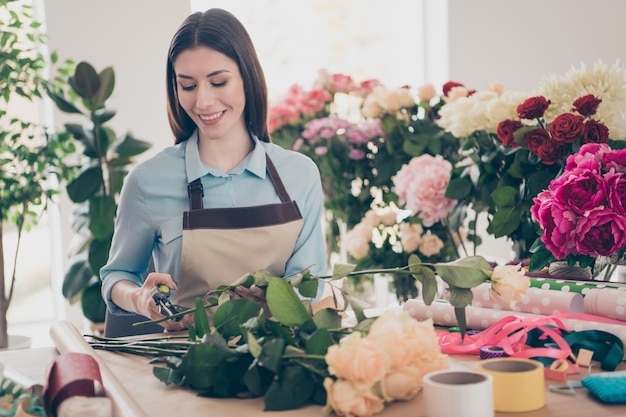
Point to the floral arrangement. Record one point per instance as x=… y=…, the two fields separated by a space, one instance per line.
x=292 y=354
x=582 y=214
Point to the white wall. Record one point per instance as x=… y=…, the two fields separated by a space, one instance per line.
x=519 y=42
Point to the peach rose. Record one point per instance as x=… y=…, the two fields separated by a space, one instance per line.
x=426 y=92
x=509 y=283
x=351 y=400
x=402 y=384
x=371 y=219
x=356 y=241
x=430 y=244
x=357 y=359
x=410 y=236
x=388 y=216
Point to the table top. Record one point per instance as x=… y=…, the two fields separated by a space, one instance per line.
x=153 y=397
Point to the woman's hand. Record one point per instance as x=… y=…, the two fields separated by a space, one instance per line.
x=146 y=306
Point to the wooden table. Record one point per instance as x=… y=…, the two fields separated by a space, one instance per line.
x=153 y=397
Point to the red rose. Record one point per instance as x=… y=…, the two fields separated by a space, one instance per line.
x=533 y=107
x=449 y=86
x=505 y=132
x=587 y=105
x=541 y=144
x=566 y=127
x=595 y=132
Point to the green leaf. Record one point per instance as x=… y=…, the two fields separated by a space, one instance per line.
x=342 y=271
x=232 y=314
x=459 y=188
x=201 y=364
x=461 y=320
x=271 y=354
x=92 y=303
x=85 y=184
x=129 y=146
x=284 y=303
x=466 y=272
x=98 y=254
x=327 y=318
x=505 y=221
x=254 y=346
x=460 y=297
x=319 y=342
x=505 y=196
x=107 y=84
x=257 y=379
x=308 y=288
x=85 y=81
x=77 y=275
x=291 y=389
x=200 y=320
x=63 y=104
x=102 y=210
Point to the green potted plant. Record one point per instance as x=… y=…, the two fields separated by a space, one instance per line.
x=31 y=161
x=95 y=188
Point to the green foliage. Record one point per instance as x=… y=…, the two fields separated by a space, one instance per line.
x=32 y=162
x=97 y=181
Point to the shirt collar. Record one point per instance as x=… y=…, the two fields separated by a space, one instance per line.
x=254 y=163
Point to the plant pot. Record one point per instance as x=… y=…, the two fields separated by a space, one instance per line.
x=562 y=269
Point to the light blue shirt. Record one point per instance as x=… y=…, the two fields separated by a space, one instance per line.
x=154 y=197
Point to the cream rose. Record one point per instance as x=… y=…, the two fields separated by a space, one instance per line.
x=351 y=400
x=509 y=283
x=357 y=359
x=356 y=241
x=402 y=384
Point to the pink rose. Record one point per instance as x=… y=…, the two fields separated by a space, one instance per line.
x=533 y=107
x=615 y=159
x=449 y=86
x=352 y=400
x=600 y=233
x=587 y=151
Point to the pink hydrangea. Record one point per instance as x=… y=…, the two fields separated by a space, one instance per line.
x=421 y=187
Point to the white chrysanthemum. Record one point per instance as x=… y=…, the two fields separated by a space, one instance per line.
x=483 y=110
x=603 y=81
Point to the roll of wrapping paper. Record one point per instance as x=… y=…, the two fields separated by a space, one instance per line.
x=606 y=302
x=536 y=301
x=442 y=314
x=67 y=339
x=567 y=285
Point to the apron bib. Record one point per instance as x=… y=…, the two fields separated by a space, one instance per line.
x=219 y=245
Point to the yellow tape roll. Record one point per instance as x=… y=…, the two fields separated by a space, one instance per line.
x=518 y=384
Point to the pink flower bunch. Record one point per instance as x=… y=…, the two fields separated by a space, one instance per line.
x=318 y=132
x=343 y=83
x=583 y=211
x=296 y=105
x=421 y=187
x=386 y=365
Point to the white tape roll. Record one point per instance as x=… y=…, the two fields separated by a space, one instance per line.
x=458 y=393
x=85 y=406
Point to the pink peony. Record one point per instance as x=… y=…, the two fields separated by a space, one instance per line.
x=421 y=186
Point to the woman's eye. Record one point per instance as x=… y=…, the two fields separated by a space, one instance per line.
x=219 y=84
x=187 y=87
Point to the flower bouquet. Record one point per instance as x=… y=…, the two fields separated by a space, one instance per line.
x=291 y=354
x=582 y=214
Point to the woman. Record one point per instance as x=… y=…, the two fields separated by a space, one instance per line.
x=223 y=201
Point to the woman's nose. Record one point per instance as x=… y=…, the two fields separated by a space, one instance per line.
x=206 y=96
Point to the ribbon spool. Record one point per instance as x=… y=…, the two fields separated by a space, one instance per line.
x=459 y=394
x=518 y=384
x=491 y=352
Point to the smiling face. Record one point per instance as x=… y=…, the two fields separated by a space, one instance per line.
x=210 y=90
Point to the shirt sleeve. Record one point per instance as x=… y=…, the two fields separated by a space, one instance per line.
x=132 y=243
x=310 y=250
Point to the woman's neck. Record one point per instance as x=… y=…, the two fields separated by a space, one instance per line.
x=225 y=153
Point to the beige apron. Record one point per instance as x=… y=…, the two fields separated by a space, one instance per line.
x=222 y=244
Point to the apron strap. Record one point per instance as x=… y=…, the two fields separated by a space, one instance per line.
x=196 y=191
x=278 y=184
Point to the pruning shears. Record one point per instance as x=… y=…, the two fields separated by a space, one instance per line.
x=161 y=295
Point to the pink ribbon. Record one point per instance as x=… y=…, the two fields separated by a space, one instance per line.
x=511 y=333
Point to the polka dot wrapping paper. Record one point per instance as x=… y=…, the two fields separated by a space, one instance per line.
x=442 y=314
x=581 y=287
x=535 y=301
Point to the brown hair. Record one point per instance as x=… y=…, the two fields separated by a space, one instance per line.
x=223 y=32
